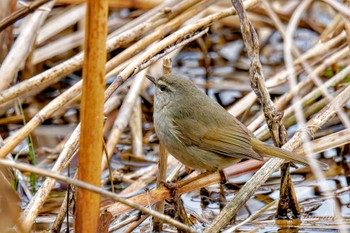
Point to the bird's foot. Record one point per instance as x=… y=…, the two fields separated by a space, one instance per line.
x=172 y=187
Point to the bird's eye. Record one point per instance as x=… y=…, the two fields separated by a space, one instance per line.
x=162 y=87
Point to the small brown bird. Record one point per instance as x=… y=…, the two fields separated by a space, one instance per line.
x=200 y=133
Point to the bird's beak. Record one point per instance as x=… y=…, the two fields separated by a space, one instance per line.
x=152 y=79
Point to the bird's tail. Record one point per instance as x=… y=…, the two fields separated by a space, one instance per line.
x=272 y=151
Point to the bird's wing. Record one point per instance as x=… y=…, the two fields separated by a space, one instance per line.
x=226 y=140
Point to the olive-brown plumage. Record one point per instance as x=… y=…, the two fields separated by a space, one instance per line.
x=199 y=132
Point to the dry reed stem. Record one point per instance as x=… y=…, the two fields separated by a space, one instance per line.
x=339 y=7
x=68 y=201
x=321 y=48
x=22 y=47
x=145 y=179
x=325 y=143
x=20 y=13
x=92 y=118
x=123 y=223
x=135 y=123
x=137 y=4
x=163 y=7
x=254 y=216
x=123 y=117
x=162 y=162
x=66 y=43
x=61 y=22
x=57 y=47
x=135 y=224
x=331 y=27
x=257 y=80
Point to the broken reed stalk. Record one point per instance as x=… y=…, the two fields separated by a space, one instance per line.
x=92 y=118
x=162 y=162
x=124 y=223
x=273 y=117
x=135 y=124
x=333 y=140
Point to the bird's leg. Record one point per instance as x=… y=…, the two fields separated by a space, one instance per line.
x=172 y=187
x=180 y=212
x=222 y=197
x=223 y=177
x=205 y=197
